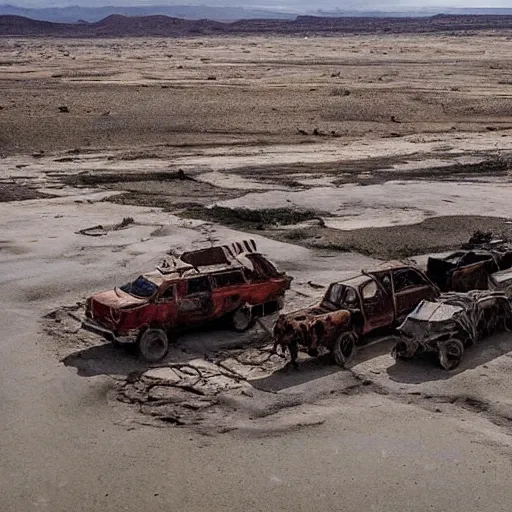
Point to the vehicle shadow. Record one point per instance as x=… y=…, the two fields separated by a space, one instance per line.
x=108 y=359
x=105 y=359
x=313 y=368
x=308 y=370
x=426 y=368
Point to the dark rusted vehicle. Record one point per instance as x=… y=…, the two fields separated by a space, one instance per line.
x=469 y=268
x=232 y=282
x=462 y=271
x=452 y=323
x=352 y=309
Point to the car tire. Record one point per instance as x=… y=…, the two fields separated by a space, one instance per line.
x=451 y=353
x=242 y=319
x=344 y=349
x=153 y=345
x=403 y=352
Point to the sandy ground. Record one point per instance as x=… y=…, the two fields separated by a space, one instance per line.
x=82 y=431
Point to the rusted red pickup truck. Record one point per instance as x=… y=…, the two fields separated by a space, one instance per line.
x=351 y=309
x=234 y=282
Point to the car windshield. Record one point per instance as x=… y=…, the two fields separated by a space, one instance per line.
x=341 y=295
x=141 y=287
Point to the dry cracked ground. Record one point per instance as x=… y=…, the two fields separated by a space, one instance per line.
x=332 y=153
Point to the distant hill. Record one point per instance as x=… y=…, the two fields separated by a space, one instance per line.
x=123 y=26
x=73 y=14
x=427 y=11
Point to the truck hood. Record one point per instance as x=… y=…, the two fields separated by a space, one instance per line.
x=310 y=324
x=117 y=299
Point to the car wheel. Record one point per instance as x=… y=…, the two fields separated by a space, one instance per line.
x=153 y=345
x=450 y=354
x=402 y=351
x=242 y=319
x=344 y=349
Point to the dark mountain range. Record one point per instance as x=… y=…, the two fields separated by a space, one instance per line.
x=123 y=26
x=72 y=14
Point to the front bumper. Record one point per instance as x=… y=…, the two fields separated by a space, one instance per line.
x=94 y=327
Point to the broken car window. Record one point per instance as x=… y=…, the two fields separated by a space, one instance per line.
x=350 y=297
x=168 y=294
x=370 y=290
x=335 y=294
x=228 y=279
x=341 y=296
x=198 y=285
x=141 y=287
x=407 y=278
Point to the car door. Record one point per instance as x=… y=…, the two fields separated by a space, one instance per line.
x=377 y=306
x=194 y=301
x=410 y=288
x=230 y=290
x=163 y=307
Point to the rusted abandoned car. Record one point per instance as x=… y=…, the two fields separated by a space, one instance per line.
x=451 y=323
x=469 y=269
x=462 y=271
x=351 y=309
x=234 y=282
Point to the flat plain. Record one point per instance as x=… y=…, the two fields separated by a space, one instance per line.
x=333 y=153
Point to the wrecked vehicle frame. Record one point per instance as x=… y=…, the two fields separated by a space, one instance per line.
x=351 y=309
x=469 y=268
x=452 y=323
x=232 y=282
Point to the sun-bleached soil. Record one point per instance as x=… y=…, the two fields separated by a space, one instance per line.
x=332 y=153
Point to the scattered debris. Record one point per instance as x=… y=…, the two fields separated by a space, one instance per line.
x=98 y=230
x=127 y=221
x=480 y=237
x=101 y=230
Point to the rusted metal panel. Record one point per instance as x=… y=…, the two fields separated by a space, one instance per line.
x=224 y=254
x=467 y=270
x=471 y=277
x=502 y=281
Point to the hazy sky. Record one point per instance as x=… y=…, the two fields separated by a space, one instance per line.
x=299 y=5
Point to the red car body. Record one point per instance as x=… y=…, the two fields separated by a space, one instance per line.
x=199 y=287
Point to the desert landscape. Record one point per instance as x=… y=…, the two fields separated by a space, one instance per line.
x=333 y=153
